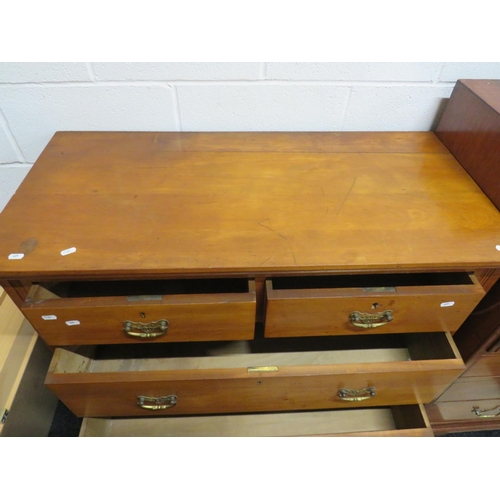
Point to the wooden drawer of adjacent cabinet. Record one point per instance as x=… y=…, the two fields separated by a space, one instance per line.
x=262 y=375
x=408 y=420
x=471 y=389
x=118 y=312
x=482 y=409
x=342 y=305
x=487 y=365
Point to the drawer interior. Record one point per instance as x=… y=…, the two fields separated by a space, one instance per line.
x=376 y=281
x=481 y=409
x=397 y=420
x=258 y=352
x=141 y=289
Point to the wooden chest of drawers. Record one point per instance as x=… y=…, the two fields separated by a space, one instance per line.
x=472 y=402
x=249 y=283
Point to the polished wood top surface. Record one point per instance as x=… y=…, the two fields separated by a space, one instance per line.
x=160 y=204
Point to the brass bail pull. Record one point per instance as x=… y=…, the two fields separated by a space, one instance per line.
x=357 y=394
x=145 y=330
x=485 y=413
x=156 y=403
x=368 y=320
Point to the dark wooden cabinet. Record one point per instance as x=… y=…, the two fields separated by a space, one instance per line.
x=470 y=128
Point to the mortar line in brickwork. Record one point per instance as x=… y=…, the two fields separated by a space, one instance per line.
x=15 y=165
x=10 y=137
x=177 y=108
x=90 y=84
x=346 y=83
x=263 y=71
x=169 y=83
x=440 y=71
x=346 y=107
x=90 y=69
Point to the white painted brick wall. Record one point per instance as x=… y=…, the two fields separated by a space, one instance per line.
x=37 y=99
x=364 y=72
x=43 y=72
x=34 y=113
x=262 y=107
x=176 y=71
x=391 y=107
x=6 y=148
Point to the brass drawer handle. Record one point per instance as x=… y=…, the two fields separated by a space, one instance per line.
x=154 y=404
x=482 y=413
x=367 y=320
x=357 y=394
x=146 y=330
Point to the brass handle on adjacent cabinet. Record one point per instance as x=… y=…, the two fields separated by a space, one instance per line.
x=146 y=330
x=159 y=403
x=357 y=394
x=482 y=413
x=367 y=320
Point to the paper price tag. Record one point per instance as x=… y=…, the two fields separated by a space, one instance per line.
x=447 y=304
x=73 y=322
x=49 y=317
x=68 y=251
x=16 y=256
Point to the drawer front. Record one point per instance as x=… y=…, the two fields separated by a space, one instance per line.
x=343 y=311
x=408 y=421
x=472 y=389
x=242 y=384
x=484 y=410
x=486 y=366
x=118 y=320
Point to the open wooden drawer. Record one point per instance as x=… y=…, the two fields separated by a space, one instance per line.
x=384 y=303
x=480 y=409
x=408 y=420
x=255 y=376
x=112 y=312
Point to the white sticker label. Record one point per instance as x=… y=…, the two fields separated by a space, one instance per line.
x=447 y=304
x=72 y=322
x=68 y=251
x=16 y=256
x=498 y=247
x=49 y=317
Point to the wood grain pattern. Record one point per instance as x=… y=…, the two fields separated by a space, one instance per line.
x=116 y=394
x=193 y=317
x=487 y=278
x=458 y=417
x=16 y=290
x=471 y=389
x=167 y=211
x=487 y=365
x=480 y=326
x=299 y=312
x=364 y=422
x=235 y=389
x=162 y=206
x=470 y=129
x=463 y=410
